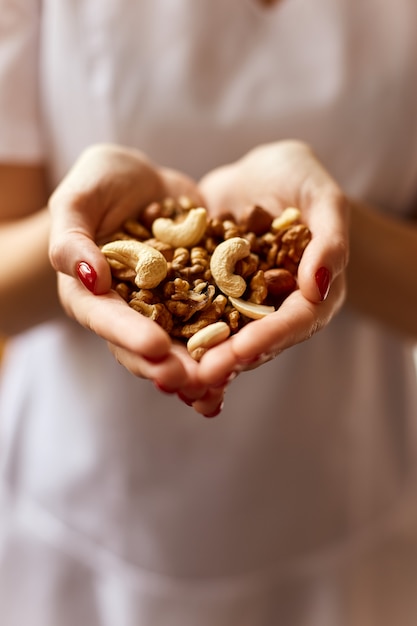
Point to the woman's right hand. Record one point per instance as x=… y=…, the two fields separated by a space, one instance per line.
x=107 y=185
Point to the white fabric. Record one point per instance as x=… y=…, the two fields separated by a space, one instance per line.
x=298 y=505
x=19 y=102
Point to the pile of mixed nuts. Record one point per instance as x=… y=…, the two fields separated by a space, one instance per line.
x=203 y=278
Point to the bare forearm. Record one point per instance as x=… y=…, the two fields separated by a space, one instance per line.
x=382 y=272
x=28 y=293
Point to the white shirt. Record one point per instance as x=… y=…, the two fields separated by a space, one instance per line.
x=122 y=506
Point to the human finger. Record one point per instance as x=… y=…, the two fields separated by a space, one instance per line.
x=106 y=185
x=326 y=256
x=167 y=374
x=295 y=321
x=111 y=318
x=211 y=404
x=177 y=185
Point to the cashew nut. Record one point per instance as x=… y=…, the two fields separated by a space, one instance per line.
x=222 y=265
x=289 y=216
x=250 y=309
x=207 y=337
x=181 y=234
x=149 y=264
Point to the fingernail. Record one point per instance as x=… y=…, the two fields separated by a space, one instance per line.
x=87 y=275
x=162 y=387
x=155 y=359
x=323 y=282
x=216 y=412
x=184 y=399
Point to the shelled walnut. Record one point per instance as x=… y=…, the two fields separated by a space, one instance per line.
x=187 y=271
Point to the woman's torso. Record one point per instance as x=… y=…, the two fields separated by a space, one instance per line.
x=312 y=449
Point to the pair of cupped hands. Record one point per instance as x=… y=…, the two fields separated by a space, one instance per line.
x=111 y=183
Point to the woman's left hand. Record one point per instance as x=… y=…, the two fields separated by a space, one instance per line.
x=276 y=176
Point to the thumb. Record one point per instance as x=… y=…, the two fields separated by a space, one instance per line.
x=104 y=187
x=325 y=257
x=72 y=251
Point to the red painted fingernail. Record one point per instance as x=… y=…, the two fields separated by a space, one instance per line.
x=323 y=282
x=184 y=399
x=162 y=387
x=216 y=412
x=87 y=275
x=155 y=359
